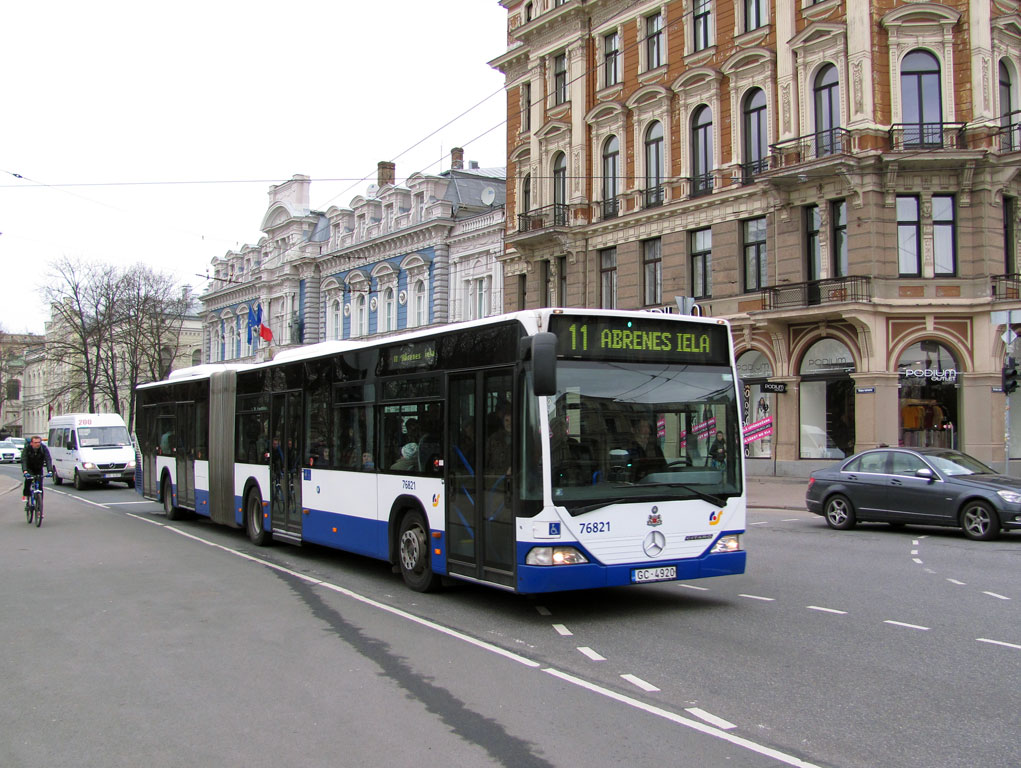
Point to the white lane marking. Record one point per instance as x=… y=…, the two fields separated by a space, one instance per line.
x=914 y=551
x=673 y=717
x=125 y=503
x=917 y=560
x=592 y=687
x=763 y=522
x=693 y=586
x=543 y=610
x=591 y=654
x=914 y=542
x=758 y=597
x=998 y=642
x=78 y=498
x=958 y=583
x=909 y=626
x=647 y=687
x=826 y=610
x=147 y=520
x=562 y=630
x=790 y=520
x=999 y=597
x=710 y=718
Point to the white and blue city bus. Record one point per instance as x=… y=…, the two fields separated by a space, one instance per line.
x=542 y=450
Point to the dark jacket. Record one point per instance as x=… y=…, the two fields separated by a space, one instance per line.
x=35 y=461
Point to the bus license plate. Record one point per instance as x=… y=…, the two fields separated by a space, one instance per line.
x=666 y=573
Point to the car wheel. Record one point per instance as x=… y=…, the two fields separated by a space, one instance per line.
x=839 y=513
x=257 y=533
x=413 y=554
x=979 y=521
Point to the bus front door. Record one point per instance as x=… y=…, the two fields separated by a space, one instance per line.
x=285 y=465
x=480 y=520
x=185 y=455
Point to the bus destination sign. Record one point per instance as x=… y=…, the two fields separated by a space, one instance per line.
x=414 y=356
x=639 y=340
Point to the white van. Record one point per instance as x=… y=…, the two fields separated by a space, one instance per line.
x=91 y=448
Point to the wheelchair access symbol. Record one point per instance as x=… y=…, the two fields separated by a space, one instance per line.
x=554 y=529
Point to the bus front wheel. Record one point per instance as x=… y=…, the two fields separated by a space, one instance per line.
x=413 y=553
x=257 y=533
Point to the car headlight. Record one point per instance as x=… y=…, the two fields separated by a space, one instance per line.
x=1011 y=497
x=88 y=465
x=730 y=543
x=555 y=556
x=131 y=465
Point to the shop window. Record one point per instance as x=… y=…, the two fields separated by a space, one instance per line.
x=927 y=397
x=827 y=401
x=754 y=371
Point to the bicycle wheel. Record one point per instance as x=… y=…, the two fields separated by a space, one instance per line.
x=39 y=509
x=29 y=510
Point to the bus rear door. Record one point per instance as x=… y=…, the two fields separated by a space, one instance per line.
x=285 y=465
x=186 y=455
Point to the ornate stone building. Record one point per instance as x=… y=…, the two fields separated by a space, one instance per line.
x=401 y=256
x=839 y=179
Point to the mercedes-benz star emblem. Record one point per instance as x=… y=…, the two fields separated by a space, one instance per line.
x=654 y=543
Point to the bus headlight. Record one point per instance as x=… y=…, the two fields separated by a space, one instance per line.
x=555 y=556
x=731 y=543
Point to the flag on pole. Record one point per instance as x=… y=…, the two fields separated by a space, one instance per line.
x=254 y=321
x=264 y=332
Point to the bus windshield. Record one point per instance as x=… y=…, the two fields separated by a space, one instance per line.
x=628 y=432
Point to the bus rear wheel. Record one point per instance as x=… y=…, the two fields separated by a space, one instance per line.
x=413 y=553
x=257 y=532
x=167 y=494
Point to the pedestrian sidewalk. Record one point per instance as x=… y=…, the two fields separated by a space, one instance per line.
x=767 y=492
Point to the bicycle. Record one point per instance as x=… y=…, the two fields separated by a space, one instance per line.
x=34 y=504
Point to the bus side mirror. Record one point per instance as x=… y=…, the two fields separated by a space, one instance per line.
x=544 y=364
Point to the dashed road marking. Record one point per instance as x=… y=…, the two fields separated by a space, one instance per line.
x=826 y=610
x=709 y=717
x=907 y=626
x=637 y=681
x=694 y=586
x=591 y=654
x=998 y=642
x=998 y=597
x=543 y=610
x=759 y=597
x=562 y=630
x=958 y=583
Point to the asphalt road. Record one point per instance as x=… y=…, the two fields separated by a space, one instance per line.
x=126 y=640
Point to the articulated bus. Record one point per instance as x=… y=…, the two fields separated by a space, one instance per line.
x=537 y=451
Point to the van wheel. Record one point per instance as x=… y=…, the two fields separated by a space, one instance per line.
x=57 y=479
x=78 y=484
x=167 y=494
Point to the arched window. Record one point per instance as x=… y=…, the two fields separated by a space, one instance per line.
x=232 y=341
x=196 y=357
x=526 y=193
x=654 y=165
x=560 y=189
x=1010 y=118
x=827 y=111
x=611 y=172
x=336 y=323
x=702 y=151
x=361 y=316
x=421 y=315
x=921 y=100
x=755 y=146
x=388 y=309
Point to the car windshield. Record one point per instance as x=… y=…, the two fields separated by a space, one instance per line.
x=954 y=463
x=629 y=432
x=6 y=444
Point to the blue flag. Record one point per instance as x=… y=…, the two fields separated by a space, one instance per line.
x=254 y=322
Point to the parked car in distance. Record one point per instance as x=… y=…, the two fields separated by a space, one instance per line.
x=9 y=452
x=924 y=486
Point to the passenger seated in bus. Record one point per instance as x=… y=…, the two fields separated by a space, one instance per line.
x=408 y=459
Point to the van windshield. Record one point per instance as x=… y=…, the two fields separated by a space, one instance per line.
x=96 y=437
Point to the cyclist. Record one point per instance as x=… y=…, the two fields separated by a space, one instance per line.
x=34 y=459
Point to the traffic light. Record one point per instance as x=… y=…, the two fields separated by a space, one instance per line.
x=1009 y=376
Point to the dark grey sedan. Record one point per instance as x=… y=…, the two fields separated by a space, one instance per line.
x=926 y=486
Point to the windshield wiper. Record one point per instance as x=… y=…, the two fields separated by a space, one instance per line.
x=601 y=504
x=716 y=501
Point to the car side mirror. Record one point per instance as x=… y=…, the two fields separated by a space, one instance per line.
x=926 y=474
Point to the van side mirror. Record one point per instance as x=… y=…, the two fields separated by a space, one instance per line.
x=926 y=474
x=544 y=364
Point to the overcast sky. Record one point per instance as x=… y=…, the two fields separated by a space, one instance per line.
x=152 y=132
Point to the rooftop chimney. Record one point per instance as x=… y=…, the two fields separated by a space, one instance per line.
x=385 y=172
x=457 y=159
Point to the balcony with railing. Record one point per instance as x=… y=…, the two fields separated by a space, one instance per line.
x=700 y=185
x=653 y=196
x=835 y=141
x=1006 y=287
x=610 y=208
x=915 y=136
x=854 y=288
x=543 y=218
x=1010 y=132
x=753 y=168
